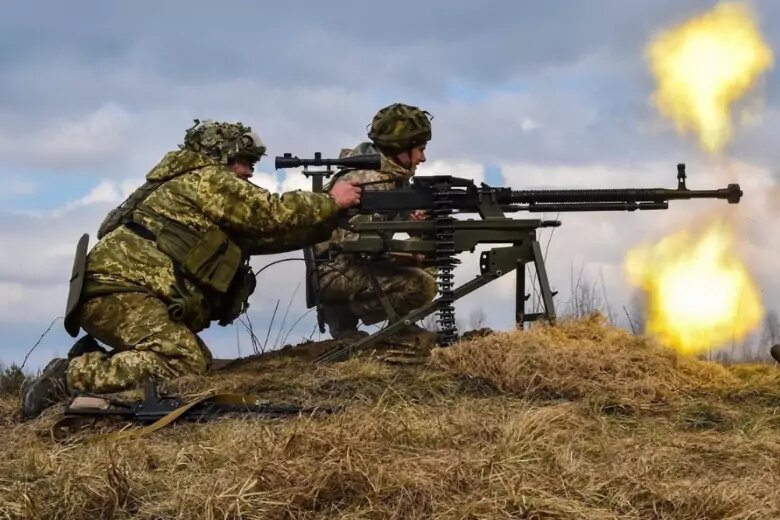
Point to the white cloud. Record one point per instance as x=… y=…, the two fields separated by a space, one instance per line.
x=32 y=303
x=98 y=133
x=38 y=249
x=295 y=180
x=106 y=191
x=105 y=194
x=266 y=181
x=529 y=125
x=128 y=186
x=70 y=141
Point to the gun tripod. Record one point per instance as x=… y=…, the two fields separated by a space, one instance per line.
x=466 y=234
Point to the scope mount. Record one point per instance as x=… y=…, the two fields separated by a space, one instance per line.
x=316 y=176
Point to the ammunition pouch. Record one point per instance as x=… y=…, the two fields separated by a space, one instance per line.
x=236 y=301
x=77 y=276
x=210 y=259
x=186 y=306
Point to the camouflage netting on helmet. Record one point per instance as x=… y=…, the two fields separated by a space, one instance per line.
x=224 y=141
x=399 y=127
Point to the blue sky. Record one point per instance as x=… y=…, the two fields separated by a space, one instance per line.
x=44 y=190
x=524 y=93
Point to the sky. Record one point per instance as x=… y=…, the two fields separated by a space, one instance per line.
x=526 y=94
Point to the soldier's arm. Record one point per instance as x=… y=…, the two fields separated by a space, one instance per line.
x=290 y=241
x=255 y=213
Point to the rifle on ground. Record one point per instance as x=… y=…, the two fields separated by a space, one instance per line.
x=156 y=411
x=444 y=197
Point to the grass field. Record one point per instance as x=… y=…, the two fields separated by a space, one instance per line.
x=578 y=421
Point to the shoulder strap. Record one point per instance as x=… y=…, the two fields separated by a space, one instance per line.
x=121 y=214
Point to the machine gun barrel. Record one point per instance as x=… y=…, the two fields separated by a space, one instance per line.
x=584 y=206
x=631 y=198
x=732 y=194
x=464 y=196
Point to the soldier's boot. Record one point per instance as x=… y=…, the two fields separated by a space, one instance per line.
x=342 y=322
x=46 y=390
x=775 y=351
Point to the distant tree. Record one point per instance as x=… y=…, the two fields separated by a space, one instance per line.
x=11 y=379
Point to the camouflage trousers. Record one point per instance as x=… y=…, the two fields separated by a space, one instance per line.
x=345 y=282
x=145 y=340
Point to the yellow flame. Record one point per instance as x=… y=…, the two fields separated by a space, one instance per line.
x=700 y=295
x=703 y=66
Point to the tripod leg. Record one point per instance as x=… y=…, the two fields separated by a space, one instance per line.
x=520 y=294
x=392 y=316
x=544 y=282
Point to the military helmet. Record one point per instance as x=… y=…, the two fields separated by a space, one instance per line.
x=399 y=127
x=224 y=141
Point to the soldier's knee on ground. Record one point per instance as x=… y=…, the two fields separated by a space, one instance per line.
x=430 y=287
x=196 y=363
x=96 y=372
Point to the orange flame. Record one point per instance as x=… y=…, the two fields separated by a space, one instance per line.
x=703 y=66
x=700 y=295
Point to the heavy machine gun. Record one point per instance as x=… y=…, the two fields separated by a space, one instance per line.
x=442 y=236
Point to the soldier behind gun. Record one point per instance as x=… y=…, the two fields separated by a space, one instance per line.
x=175 y=256
x=399 y=133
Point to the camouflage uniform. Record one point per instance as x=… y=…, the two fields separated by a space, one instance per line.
x=145 y=339
x=346 y=293
x=135 y=298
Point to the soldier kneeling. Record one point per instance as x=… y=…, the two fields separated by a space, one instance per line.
x=400 y=134
x=174 y=257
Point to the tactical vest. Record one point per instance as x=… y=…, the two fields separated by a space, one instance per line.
x=212 y=260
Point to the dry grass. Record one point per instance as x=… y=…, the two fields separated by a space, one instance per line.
x=577 y=421
x=588 y=359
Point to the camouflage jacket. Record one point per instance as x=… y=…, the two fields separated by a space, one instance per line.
x=390 y=176
x=200 y=193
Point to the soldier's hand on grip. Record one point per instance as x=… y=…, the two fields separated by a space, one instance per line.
x=346 y=193
x=418 y=215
